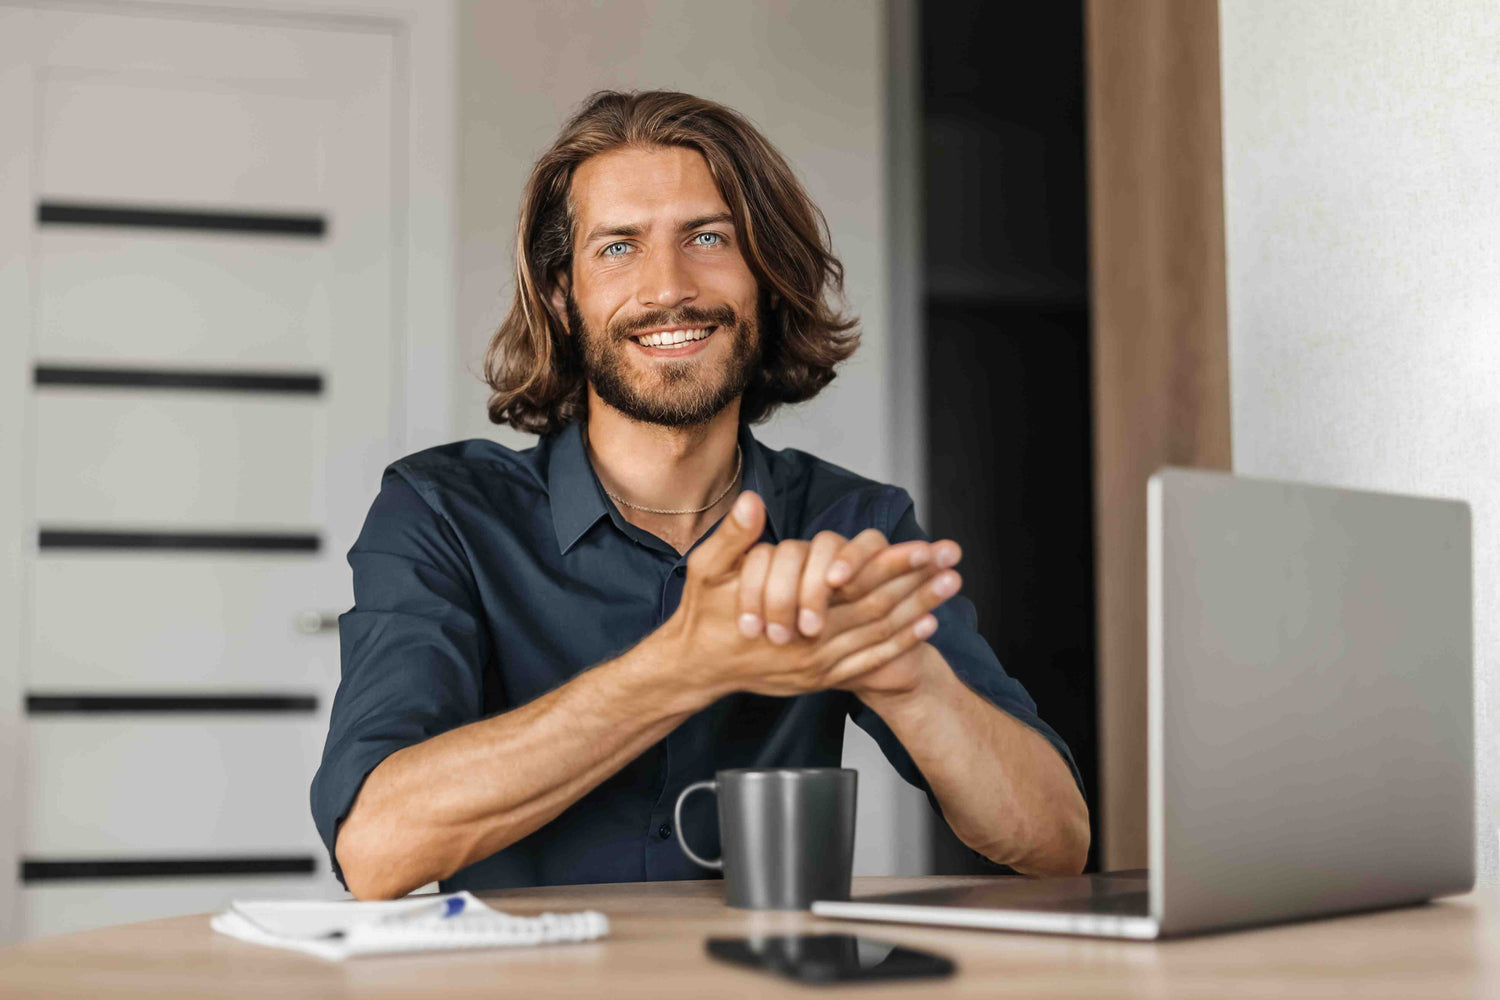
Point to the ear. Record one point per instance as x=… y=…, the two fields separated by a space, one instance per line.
x=559 y=297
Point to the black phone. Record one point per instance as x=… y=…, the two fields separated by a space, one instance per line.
x=829 y=958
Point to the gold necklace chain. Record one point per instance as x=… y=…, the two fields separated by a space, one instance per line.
x=738 y=461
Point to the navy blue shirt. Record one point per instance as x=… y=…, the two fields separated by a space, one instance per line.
x=485 y=577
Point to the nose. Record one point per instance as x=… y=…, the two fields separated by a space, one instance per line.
x=666 y=281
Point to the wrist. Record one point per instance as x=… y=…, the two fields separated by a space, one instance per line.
x=924 y=677
x=659 y=668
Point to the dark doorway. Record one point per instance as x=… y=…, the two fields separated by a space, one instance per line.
x=1009 y=444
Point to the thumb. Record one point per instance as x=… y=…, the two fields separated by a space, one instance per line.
x=736 y=533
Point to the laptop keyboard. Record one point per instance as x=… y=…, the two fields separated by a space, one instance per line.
x=1107 y=894
x=1124 y=904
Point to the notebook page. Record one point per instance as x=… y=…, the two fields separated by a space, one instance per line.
x=310 y=918
x=478 y=930
x=481 y=927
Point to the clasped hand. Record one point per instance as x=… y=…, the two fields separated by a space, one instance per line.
x=837 y=613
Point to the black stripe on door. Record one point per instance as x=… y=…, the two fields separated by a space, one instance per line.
x=33 y=871
x=59 y=213
x=96 y=704
x=176 y=541
x=308 y=383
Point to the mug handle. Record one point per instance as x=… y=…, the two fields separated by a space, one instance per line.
x=713 y=786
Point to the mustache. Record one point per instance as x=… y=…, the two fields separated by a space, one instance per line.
x=681 y=316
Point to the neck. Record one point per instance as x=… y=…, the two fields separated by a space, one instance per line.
x=670 y=468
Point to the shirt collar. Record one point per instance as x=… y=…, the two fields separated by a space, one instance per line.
x=578 y=498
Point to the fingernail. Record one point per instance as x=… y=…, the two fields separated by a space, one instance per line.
x=742 y=508
x=778 y=633
x=946 y=585
x=838 y=572
x=809 y=622
x=925 y=627
x=749 y=625
x=947 y=557
x=919 y=555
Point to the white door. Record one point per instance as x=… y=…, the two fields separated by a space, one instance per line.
x=196 y=240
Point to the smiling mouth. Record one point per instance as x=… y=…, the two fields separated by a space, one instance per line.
x=675 y=340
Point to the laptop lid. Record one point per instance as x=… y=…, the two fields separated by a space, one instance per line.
x=1310 y=682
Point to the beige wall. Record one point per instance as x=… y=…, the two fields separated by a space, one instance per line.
x=1362 y=208
x=812 y=76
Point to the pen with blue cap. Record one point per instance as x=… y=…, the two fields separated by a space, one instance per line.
x=442 y=910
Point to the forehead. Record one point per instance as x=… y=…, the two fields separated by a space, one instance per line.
x=638 y=185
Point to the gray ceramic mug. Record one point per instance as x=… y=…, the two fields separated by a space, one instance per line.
x=787 y=834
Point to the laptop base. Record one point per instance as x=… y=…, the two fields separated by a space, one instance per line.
x=1110 y=904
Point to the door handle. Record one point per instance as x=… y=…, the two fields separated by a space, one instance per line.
x=316 y=622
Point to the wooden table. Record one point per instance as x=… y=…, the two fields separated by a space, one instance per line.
x=1446 y=949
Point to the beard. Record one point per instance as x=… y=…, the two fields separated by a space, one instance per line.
x=671 y=393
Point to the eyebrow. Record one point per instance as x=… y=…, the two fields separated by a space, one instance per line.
x=635 y=229
x=611 y=229
x=705 y=220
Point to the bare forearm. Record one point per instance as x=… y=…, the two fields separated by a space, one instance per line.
x=1004 y=789
x=430 y=809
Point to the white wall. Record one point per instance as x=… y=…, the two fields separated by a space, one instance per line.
x=1362 y=201
x=812 y=77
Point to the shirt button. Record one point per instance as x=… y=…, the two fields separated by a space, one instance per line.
x=664 y=832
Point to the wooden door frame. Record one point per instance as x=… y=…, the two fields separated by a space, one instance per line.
x=1160 y=346
x=425 y=185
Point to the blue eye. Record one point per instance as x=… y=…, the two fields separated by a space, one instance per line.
x=716 y=237
x=608 y=251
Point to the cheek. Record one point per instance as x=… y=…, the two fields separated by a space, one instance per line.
x=732 y=282
x=603 y=300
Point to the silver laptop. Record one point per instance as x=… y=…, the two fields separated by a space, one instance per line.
x=1310 y=720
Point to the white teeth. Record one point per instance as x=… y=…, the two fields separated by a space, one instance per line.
x=671 y=338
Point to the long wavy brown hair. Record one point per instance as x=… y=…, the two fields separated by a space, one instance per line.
x=533 y=367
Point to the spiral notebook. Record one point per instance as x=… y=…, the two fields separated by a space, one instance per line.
x=336 y=930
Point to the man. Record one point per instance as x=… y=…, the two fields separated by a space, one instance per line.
x=547 y=645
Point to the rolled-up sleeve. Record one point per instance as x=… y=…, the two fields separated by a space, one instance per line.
x=973 y=661
x=412 y=649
